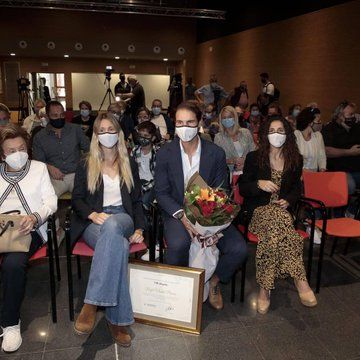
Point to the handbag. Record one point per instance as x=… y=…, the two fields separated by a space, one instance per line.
x=10 y=238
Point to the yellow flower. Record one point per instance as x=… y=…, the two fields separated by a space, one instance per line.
x=207 y=195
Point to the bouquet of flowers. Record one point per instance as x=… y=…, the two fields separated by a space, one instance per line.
x=209 y=211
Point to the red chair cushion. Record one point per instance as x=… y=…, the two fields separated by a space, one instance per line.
x=251 y=237
x=41 y=253
x=254 y=239
x=83 y=249
x=341 y=227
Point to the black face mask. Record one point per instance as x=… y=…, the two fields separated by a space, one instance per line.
x=122 y=79
x=57 y=123
x=350 y=122
x=143 y=141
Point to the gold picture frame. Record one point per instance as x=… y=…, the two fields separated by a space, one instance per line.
x=167 y=296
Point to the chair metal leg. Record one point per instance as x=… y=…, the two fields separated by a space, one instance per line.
x=334 y=246
x=321 y=257
x=152 y=235
x=233 y=286
x=311 y=246
x=56 y=249
x=348 y=241
x=51 y=275
x=78 y=263
x=243 y=277
x=69 y=270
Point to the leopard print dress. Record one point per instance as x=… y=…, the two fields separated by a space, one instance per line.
x=279 y=252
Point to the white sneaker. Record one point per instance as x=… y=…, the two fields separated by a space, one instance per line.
x=11 y=338
x=146 y=256
x=317 y=234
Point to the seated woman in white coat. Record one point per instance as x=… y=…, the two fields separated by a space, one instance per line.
x=24 y=186
x=310 y=141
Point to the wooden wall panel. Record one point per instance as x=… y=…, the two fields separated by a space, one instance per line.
x=313 y=57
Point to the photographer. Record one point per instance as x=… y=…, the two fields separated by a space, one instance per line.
x=122 y=87
x=44 y=90
x=136 y=96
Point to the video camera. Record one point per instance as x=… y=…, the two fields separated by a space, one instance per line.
x=23 y=84
x=108 y=70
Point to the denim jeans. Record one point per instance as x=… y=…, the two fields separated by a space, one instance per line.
x=108 y=280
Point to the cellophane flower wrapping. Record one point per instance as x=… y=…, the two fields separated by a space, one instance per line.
x=209 y=211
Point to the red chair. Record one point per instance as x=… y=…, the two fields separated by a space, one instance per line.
x=82 y=249
x=46 y=251
x=325 y=191
x=249 y=236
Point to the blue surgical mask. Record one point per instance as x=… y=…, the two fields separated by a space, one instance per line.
x=156 y=110
x=295 y=112
x=85 y=112
x=255 y=113
x=228 y=122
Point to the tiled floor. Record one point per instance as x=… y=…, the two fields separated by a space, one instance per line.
x=288 y=331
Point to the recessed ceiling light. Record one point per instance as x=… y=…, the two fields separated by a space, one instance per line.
x=66 y=56
x=12 y=54
x=165 y=59
x=117 y=57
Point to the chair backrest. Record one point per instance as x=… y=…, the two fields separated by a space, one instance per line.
x=329 y=187
x=237 y=197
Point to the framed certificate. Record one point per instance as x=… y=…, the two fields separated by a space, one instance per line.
x=167 y=296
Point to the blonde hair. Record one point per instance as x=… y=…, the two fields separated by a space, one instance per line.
x=38 y=101
x=233 y=113
x=95 y=157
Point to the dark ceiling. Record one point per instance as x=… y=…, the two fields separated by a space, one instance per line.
x=242 y=15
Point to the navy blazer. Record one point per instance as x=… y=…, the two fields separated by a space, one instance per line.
x=84 y=203
x=169 y=176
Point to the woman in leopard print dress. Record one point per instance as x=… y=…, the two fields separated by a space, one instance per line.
x=271 y=186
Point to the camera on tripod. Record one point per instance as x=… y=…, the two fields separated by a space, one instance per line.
x=108 y=71
x=23 y=84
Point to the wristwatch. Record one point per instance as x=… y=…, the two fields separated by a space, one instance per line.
x=179 y=215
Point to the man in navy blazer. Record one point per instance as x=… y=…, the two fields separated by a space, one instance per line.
x=176 y=162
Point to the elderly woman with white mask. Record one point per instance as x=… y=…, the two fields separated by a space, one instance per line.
x=25 y=186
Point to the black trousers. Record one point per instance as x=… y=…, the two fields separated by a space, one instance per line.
x=13 y=273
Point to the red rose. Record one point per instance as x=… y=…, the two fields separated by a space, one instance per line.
x=207 y=208
x=228 y=208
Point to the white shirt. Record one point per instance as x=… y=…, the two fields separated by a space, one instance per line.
x=239 y=148
x=32 y=193
x=144 y=166
x=30 y=122
x=313 y=151
x=190 y=169
x=269 y=89
x=112 y=193
x=160 y=123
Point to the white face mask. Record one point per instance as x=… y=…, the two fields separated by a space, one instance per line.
x=186 y=133
x=108 y=139
x=277 y=140
x=17 y=159
x=44 y=121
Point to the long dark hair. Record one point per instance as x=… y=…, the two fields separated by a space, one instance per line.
x=290 y=151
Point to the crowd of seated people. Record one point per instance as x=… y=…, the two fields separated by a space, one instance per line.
x=118 y=162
